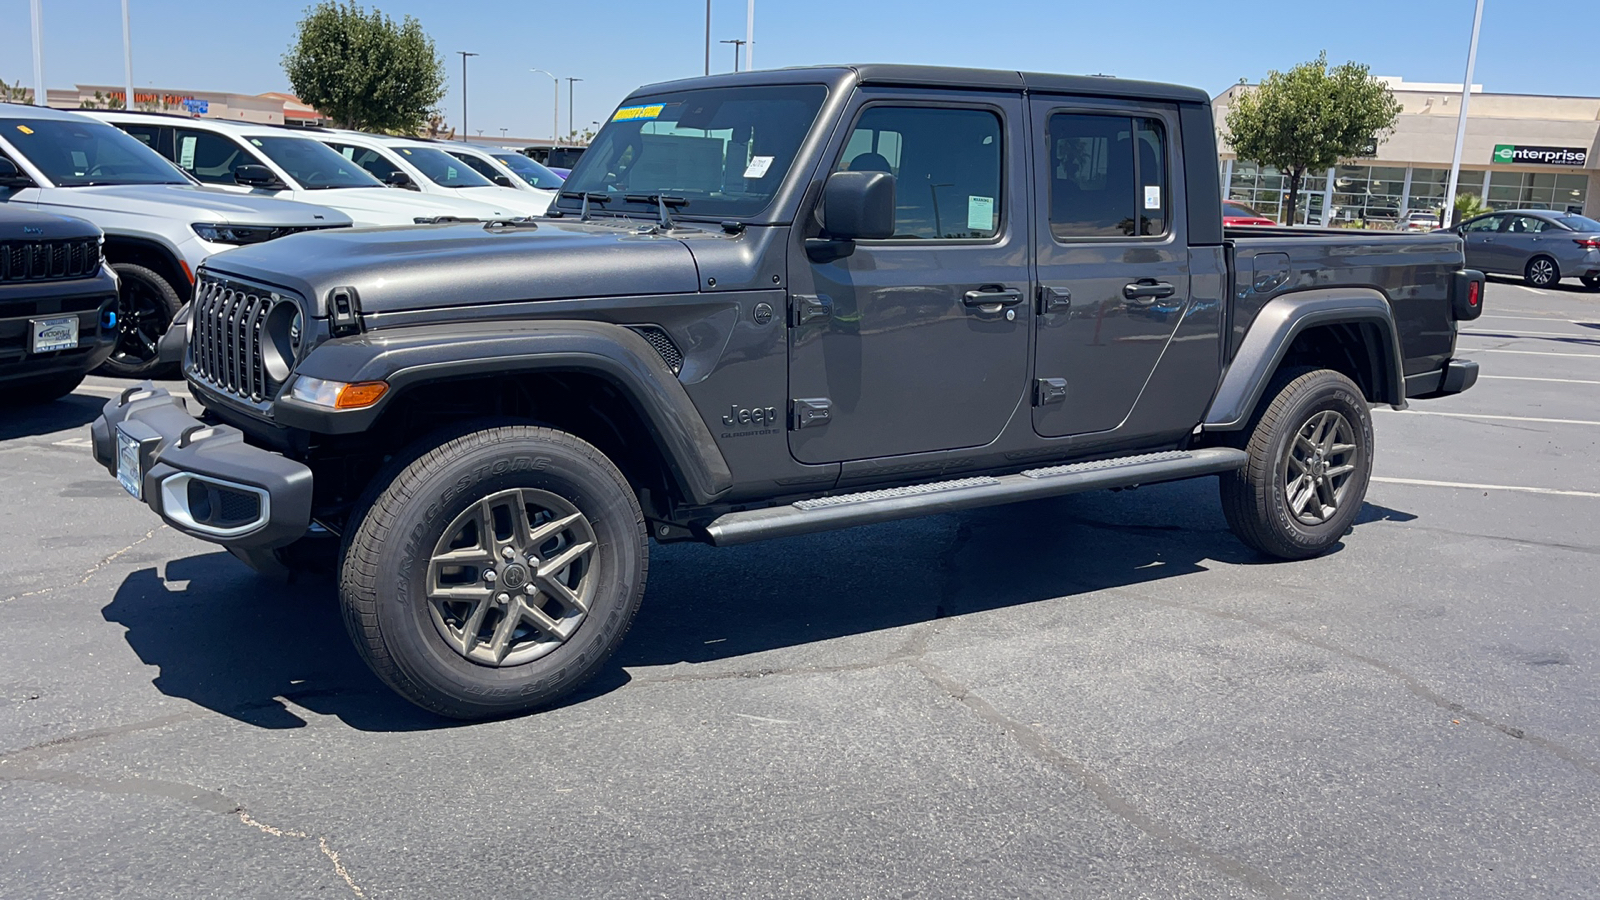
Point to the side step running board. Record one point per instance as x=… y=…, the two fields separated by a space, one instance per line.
x=828 y=513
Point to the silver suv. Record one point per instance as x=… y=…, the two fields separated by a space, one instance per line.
x=160 y=224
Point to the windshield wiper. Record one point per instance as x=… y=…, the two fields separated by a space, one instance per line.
x=587 y=197
x=662 y=202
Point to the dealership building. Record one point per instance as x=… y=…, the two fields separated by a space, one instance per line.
x=1522 y=151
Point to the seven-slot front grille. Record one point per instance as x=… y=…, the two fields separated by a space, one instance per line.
x=49 y=260
x=225 y=346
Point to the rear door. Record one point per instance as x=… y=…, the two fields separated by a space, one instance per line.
x=1113 y=258
x=920 y=342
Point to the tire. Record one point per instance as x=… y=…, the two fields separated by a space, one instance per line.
x=39 y=390
x=432 y=630
x=1592 y=282
x=1541 y=272
x=1257 y=500
x=145 y=307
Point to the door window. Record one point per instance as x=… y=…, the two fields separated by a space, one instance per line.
x=480 y=166
x=210 y=157
x=1487 y=223
x=1108 y=176
x=946 y=164
x=371 y=160
x=148 y=135
x=1526 y=225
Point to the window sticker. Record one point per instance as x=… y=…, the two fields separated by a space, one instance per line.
x=349 y=153
x=186 y=152
x=758 y=167
x=25 y=129
x=630 y=113
x=1152 y=196
x=980 y=213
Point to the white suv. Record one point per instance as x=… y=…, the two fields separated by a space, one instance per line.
x=287 y=163
x=506 y=168
x=421 y=166
x=159 y=224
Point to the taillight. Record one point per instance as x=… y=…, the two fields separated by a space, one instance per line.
x=1588 y=243
x=1474 y=294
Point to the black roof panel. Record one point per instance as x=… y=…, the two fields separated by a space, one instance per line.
x=945 y=76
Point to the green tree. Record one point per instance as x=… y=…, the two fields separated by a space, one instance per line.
x=1310 y=118
x=15 y=93
x=364 y=71
x=1467 y=206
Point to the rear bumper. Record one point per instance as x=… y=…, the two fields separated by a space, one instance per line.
x=203 y=480
x=1457 y=375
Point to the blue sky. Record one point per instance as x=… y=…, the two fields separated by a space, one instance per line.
x=619 y=44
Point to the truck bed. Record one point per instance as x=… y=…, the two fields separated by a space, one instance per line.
x=1413 y=271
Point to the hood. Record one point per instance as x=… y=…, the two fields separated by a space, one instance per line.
x=510 y=201
x=392 y=206
x=29 y=225
x=430 y=266
x=187 y=203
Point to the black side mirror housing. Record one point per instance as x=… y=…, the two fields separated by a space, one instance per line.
x=257 y=177
x=855 y=206
x=503 y=181
x=12 y=177
x=399 y=179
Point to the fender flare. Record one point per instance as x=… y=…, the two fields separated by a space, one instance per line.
x=1274 y=329
x=411 y=356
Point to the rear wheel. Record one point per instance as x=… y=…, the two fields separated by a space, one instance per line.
x=146 y=304
x=1310 y=461
x=495 y=573
x=1541 y=272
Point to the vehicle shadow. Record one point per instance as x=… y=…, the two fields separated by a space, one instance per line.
x=69 y=412
x=250 y=648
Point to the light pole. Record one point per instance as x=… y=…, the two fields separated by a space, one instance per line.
x=736 y=45
x=127 y=58
x=39 y=98
x=555 y=105
x=750 y=36
x=570 y=82
x=503 y=133
x=708 y=37
x=1461 y=118
x=464 y=55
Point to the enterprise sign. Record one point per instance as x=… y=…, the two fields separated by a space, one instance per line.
x=1545 y=156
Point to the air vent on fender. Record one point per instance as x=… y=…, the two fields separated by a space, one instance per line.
x=658 y=339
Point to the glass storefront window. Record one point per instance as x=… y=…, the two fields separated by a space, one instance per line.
x=1375 y=196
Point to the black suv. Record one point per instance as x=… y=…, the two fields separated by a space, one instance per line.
x=58 y=305
x=768 y=304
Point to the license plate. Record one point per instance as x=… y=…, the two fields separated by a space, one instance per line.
x=54 y=334
x=128 y=465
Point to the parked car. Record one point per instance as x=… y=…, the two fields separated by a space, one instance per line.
x=1422 y=220
x=421 y=166
x=1236 y=213
x=285 y=163
x=159 y=223
x=790 y=332
x=1541 y=245
x=58 y=304
x=555 y=158
x=506 y=168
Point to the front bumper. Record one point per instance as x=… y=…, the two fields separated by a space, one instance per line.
x=203 y=480
x=92 y=301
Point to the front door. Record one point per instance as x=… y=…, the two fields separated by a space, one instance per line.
x=1113 y=259
x=1480 y=237
x=920 y=342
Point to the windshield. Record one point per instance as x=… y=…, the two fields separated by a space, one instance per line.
x=530 y=171
x=725 y=151
x=316 y=166
x=77 y=154
x=1578 y=223
x=442 y=168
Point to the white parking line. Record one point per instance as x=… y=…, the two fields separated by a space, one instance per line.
x=1456 y=415
x=1542 y=353
x=1422 y=482
x=1472 y=332
x=1530 y=378
x=1539 y=319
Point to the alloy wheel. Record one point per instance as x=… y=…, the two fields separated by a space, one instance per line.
x=1320 y=462
x=512 y=577
x=1541 y=272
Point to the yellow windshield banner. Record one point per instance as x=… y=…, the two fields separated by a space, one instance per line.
x=629 y=113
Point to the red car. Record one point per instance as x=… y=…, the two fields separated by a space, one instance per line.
x=1236 y=213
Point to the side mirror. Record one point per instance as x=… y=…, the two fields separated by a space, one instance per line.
x=503 y=181
x=257 y=177
x=399 y=179
x=12 y=177
x=855 y=206
x=858 y=206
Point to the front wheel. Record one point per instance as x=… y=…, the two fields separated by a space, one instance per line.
x=496 y=572
x=1310 y=458
x=146 y=304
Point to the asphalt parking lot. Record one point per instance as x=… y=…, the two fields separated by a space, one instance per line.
x=1097 y=696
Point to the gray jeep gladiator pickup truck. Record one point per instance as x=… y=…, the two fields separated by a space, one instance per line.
x=769 y=304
